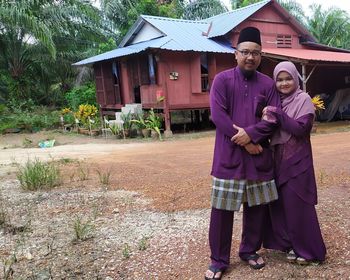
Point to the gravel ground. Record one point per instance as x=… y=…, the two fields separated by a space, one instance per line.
x=151 y=220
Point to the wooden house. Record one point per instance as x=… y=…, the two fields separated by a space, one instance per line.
x=170 y=64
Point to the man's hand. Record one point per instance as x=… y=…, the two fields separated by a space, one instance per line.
x=241 y=137
x=253 y=149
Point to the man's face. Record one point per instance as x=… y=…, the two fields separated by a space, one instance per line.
x=248 y=56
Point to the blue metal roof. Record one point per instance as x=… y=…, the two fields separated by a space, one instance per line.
x=132 y=49
x=181 y=35
x=224 y=23
x=186 y=35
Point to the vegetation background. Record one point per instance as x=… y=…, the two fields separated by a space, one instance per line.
x=40 y=39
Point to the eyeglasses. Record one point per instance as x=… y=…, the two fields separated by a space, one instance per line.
x=247 y=53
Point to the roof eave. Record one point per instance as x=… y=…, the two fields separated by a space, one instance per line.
x=324 y=47
x=232 y=27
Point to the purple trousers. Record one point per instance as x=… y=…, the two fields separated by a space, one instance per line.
x=220 y=233
x=294 y=225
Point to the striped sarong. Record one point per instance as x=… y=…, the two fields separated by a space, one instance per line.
x=230 y=194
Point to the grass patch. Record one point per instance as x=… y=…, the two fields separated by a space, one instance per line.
x=83 y=173
x=37 y=175
x=67 y=160
x=104 y=177
x=83 y=230
x=126 y=251
x=144 y=243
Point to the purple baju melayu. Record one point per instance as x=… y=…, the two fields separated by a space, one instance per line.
x=294 y=223
x=236 y=99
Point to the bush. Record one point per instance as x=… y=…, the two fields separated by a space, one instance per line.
x=36 y=175
x=40 y=118
x=87 y=115
x=81 y=95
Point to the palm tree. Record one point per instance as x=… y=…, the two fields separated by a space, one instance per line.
x=295 y=9
x=34 y=33
x=201 y=9
x=330 y=27
x=235 y=4
x=123 y=13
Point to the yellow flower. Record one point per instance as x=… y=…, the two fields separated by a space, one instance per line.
x=65 y=111
x=85 y=111
x=318 y=103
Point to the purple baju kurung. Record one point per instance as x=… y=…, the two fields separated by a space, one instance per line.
x=235 y=99
x=293 y=216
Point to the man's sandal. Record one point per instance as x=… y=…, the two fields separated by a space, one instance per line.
x=254 y=258
x=214 y=271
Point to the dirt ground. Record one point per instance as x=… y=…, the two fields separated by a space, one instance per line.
x=150 y=221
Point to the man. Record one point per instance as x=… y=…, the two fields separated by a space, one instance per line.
x=242 y=167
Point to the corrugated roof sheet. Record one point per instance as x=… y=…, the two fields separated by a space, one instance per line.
x=186 y=35
x=181 y=35
x=225 y=22
x=308 y=55
x=132 y=49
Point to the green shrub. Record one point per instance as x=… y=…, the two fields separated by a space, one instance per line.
x=40 y=118
x=20 y=105
x=37 y=175
x=81 y=95
x=3 y=109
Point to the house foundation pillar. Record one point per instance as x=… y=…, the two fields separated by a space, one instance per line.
x=167 y=133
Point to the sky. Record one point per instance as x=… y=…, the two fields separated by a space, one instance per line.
x=342 y=4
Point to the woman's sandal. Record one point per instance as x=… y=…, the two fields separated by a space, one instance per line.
x=302 y=261
x=291 y=256
x=215 y=271
x=254 y=258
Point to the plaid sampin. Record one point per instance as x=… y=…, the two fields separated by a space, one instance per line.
x=230 y=194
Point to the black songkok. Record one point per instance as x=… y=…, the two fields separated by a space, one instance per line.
x=249 y=34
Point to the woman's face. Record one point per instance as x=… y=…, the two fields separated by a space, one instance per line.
x=285 y=83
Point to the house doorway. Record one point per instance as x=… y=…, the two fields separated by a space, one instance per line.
x=137 y=94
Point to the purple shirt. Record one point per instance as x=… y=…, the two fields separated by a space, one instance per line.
x=235 y=99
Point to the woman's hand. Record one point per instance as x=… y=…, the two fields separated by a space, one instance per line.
x=268 y=114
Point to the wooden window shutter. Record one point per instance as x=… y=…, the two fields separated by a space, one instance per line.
x=284 y=41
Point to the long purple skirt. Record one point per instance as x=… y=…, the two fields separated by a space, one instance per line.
x=294 y=225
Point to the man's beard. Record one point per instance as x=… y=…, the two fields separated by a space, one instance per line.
x=248 y=73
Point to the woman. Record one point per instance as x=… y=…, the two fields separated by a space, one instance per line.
x=294 y=224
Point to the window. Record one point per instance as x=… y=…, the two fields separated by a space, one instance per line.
x=148 y=67
x=115 y=72
x=152 y=69
x=284 y=41
x=204 y=72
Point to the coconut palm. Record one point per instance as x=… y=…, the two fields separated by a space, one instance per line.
x=36 y=34
x=201 y=9
x=295 y=9
x=235 y=4
x=124 y=13
x=330 y=27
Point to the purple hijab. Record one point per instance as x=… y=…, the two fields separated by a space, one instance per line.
x=296 y=104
